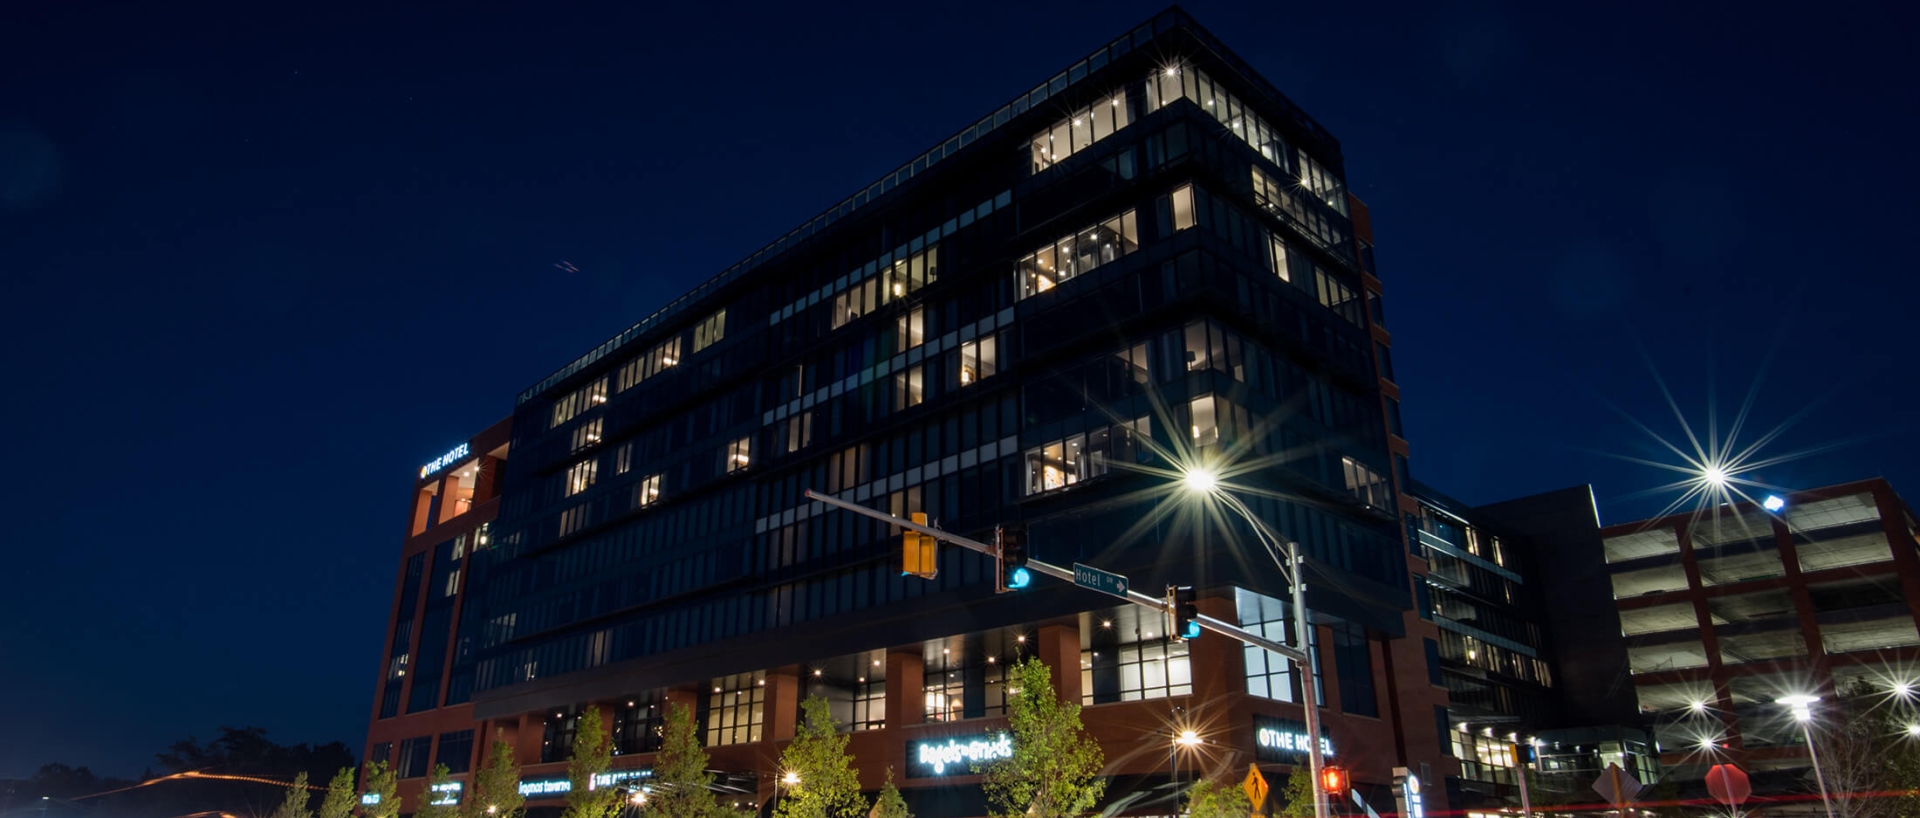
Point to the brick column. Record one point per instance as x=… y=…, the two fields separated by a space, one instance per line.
x=783 y=703
x=1059 y=647
x=526 y=745
x=906 y=688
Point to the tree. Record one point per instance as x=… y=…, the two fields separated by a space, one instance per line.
x=890 y=804
x=1055 y=765
x=1208 y=799
x=427 y=807
x=383 y=788
x=828 y=786
x=295 y=805
x=1297 y=798
x=496 y=787
x=680 y=787
x=1871 y=765
x=592 y=755
x=340 y=796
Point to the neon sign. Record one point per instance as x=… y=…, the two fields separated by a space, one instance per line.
x=447 y=792
x=1285 y=740
x=541 y=787
x=444 y=460
x=932 y=757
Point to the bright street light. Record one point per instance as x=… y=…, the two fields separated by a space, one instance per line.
x=1201 y=481
x=1715 y=476
x=790 y=779
x=1801 y=704
x=1913 y=729
x=1773 y=503
x=1188 y=738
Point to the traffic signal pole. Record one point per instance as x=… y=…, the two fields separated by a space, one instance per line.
x=1297 y=655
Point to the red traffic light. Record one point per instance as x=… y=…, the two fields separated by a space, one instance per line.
x=1333 y=780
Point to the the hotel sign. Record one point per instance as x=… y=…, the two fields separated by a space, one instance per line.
x=955 y=755
x=1284 y=741
x=543 y=787
x=445 y=460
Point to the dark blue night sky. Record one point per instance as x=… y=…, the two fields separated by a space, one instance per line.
x=256 y=265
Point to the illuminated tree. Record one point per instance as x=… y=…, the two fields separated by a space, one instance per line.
x=381 y=785
x=435 y=786
x=1210 y=800
x=1297 y=798
x=1870 y=760
x=827 y=786
x=1055 y=767
x=890 y=804
x=592 y=756
x=681 y=783
x=295 y=805
x=340 y=796
x=496 y=786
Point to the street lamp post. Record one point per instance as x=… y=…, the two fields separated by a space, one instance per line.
x=1802 y=706
x=1204 y=482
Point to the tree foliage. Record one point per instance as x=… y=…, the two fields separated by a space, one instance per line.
x=681 y=784
x=340 y=795
x=1871 y=765
x=1054 y=771
x=382 y=784
x=1208 y=799
x=1296 y=800
x=248 y=751
x=828 y=788
x=496 y=786
x=427 y=808
x=890 y=804
x=592 y=755
x=295 y=804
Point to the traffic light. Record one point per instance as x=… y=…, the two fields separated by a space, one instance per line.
x=1010 y=557
x=1333 y=781
x=1182 y=615
x=919 y=553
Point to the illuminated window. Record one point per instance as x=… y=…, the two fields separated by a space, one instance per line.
x=911 y=329
x=647 y=365
x=1369 y=487
x=573 y=519
x=639 y=722
x=1078 y=253
x=1182 y=199
x=909 y=274
x=710 y=331
x=908 y=388
x=1270 y=675
x=977 y=360
x=580 y=400
x=647 y=492
x=739 y=455
x=580 y=475
x=1086 y=126
x=736 y=706
x=1277 y=257
x=1063 y=463
x=797 y=431
x=950 y=674
x=1203 y=429
x=1123 y=660
x=847 y=468
x=856 y=301
x=587 y=434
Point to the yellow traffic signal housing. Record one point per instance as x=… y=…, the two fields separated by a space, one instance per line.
x=919 y=553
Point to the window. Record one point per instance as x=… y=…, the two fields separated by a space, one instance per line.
x=1386 y=360
x=1365 y=485
x=739 y=455
x=1065 y=462
x=1483 y=757
x=908 y=388
x=847 y=468
x=855 y=301
x=557 y=742
x=962 y=686
x=1122 y=660
x=1204 y=430
x=1433 y=663
x=908 y=275
x=380 y=752
x=797 y=431
x=587 y=434
x=580 y=475
x=653 y=362
x=977 y=360
x=895 y=281
x=1352 y=656
x=647 y=492
x=456 y=751
x=911 y=329
x=1277 y=257
x=1078 y=253
x=1270 y=675
x=580 y=400
x=390 y=700
x=623 y=458
x=710 y=331
x=413 y=757
x=1086 y=126
x=736 y=708
x=1182 y=199
x=855 y=688
x=1339 y=297
x=573 y=519
x=638 y=724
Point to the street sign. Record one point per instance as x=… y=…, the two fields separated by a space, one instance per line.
x=1728 y=784
x=1618 y=786
x=1106 y=582
x=1256 y=787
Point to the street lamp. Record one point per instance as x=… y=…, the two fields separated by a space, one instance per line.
x=1206 y=483
x=1802 y=706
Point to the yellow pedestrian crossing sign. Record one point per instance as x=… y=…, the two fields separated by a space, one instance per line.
x=1256 y=787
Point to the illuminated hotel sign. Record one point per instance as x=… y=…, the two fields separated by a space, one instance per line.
x=933 y=756
x=370 y=798
x=1284 y=741
x=444 y=460
x=542 y=787
x=447 y=792
x=1407 y=792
